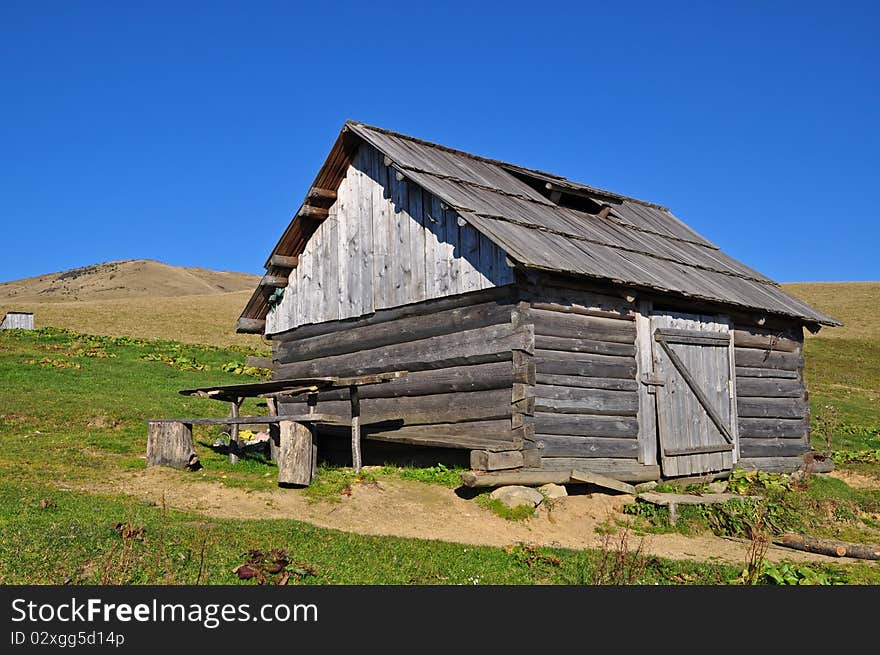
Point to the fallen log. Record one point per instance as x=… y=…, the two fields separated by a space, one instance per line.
x=828 y=547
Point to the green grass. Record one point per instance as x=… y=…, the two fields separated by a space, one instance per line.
x=74 y=409
x=518 y=513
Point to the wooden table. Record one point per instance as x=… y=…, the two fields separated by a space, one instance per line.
x=274 y=390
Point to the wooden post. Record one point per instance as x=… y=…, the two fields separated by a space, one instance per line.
x=294 y=453
x=170 y=443
x=272 y=405
x=354 y=394
x=234 y=446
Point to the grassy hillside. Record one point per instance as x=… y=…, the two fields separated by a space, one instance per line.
x=843 y=364
x=138 y=298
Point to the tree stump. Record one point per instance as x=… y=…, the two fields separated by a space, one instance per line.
x=295 y=458
x=170 y=443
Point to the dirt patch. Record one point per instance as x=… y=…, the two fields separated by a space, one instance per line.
x=855 y=480
x=403 y=508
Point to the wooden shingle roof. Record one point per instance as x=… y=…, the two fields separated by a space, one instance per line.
x=546 y=222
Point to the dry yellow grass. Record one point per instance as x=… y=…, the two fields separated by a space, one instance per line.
x=208 y=319
x=854 y=303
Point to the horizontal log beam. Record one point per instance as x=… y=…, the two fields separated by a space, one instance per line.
x=754 y=357
x=317 y=193
x=556 y=445
x=627 y=470
x=769 y=388
x=284 y=261
x=544 y=342
x=772 y=447
x=273 y=281
x=779 y=428
x=772 y=408
x=314 y=213
x=250 y=325
x=584 y=425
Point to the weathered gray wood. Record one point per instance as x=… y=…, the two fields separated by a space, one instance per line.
x=272 y=407
x=576 y=326
x=549 y=362
x=294 y=441
x=485 y=460
x=647 y=414
x=698 y=450
x=772 y=408
x=401 y=330
x=627 y=470
x=257 y=420
x=751 y=448
x=234 y=444
x=544 y=342
x=556 y=445
x=355 y=407
x=693 y=337
x=170 y=443
x=531 y=458
x=317 y=193
x=250 y=325
x=526 y=478
x=501 y=295
x=492 y=343
x=422 y=410
x=585 y=425
x=480 y=377
x=766 y=428
x=768 y=388
x=17 y=321
x=754 y=372
x=785 y=340
x=694 y=403
x=603 y=481
x=574 y=400
x=586 y=382
x=313 y=213
x=773 y=464
x=624 y=314
x=755 y=358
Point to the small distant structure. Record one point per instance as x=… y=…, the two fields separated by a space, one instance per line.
x=17 y=321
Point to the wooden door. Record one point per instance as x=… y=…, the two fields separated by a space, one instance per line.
x=696 y=416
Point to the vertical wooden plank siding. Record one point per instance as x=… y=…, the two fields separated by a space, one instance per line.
x=386 y=243
x=645 y=366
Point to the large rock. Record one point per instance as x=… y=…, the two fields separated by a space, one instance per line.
x=552 y=491
x=516 y=496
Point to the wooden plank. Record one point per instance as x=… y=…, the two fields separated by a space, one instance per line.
x=485 y=460
x=582 y=382
x=769 y=388
x=772 y=464
x=647 y=413
x=698 y=450
x=355 y=409
x=785 y=340
x=423 y=410
x=501 y=295
x=694 y=337
x=544 y=342
x=284 y=261
x=294 y=442
x=557 y=445
x=628 y=470
x=603 y=481
x=772 y=408
x=273 y=281
x=755 y=372
x=772 y=447
x=487 y=344
x=525 y=478
x=250 y=325
x=471 y=278
x=754 y=358
x=779 y=428
x=416 y=210
x=576 y=326
x=170 y=443
x=585 y=425
x=550 y=363
x=625 y=314
x=384 y=224
x=369 y=266
x=710 y=409
x=564 y=400
x=322 y=417
x=410 y=328
x=347 y=255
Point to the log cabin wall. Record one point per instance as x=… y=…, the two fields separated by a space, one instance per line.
x=386 y=243
x=772 y=401
x=585 y=403
x=464 y=355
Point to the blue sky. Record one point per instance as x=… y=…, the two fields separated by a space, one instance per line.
x=189 y=132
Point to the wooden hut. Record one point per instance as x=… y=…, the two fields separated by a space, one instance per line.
x=17 y=321
x=546 y=325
